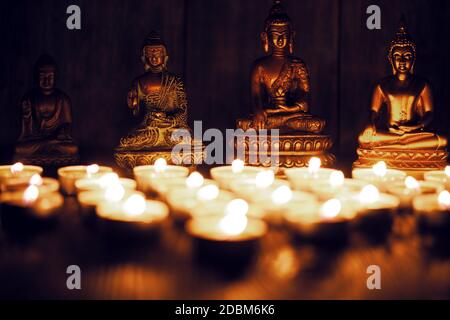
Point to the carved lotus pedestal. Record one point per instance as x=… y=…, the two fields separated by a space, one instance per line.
x=287 y=150
x=188 y=156
x=413 y=162
x=52 y=154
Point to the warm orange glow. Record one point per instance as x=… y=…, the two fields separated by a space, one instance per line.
x=237 y=166
x=31 y=194
x=92 y=169
x=380 y=169
x=282 y=195
x=108 y=179
x=36 y=180
x=114 y=192
x=17 y=167
x=331 y=209
x=135 y=205
x=195 y=180
x=235 y=220
x=314 y=164
x=412 y=183
x=160 y=165
x=207 y=193
x=369 y=194
x=447 y=171
x=337 y=179
x=264 y=179
x=444 y=199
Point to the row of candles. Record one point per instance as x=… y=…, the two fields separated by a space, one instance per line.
x=237 y=204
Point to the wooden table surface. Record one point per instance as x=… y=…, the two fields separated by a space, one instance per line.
x=412 y=265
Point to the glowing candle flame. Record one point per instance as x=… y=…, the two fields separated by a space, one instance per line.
x=380 y=169
x=237 y=166
x=135 y=205
x=31 y=194
x=337 y=179
x=92 y=169
x=331 y=209
x=207 y=193
x=444 y=199
x=282 y=195
x=412 y=183
x=369 y=194
x=195 y=180
x=36 y=180
x=264 y=179
x=108 y=179
x=17 y=167
x=447 y=171
x=160 y=165
x=314 y=165
x=235 y=220
x=114 y=192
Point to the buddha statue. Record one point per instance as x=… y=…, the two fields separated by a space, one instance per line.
x=159 y=97
x=405 y=140
x=45 y=137
x=280 y=92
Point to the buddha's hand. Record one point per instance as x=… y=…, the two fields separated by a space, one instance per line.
x=132 y=98
x=396 y=130
x=369 y=132
x=411 y=129
x=26 y=108
x=259 y=120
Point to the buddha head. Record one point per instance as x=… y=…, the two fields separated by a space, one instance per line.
x=154 y=53
x=45 y=72
x=278 y=34
x=402 y=52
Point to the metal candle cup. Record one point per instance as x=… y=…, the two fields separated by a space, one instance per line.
x=302 y=179
x=225 y=175
x=17 y=172
x=149 y=176
x=69 y=175
x=380 y=176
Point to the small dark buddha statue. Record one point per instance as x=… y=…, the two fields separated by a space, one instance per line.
x=160 y=98
x=46 y=120
x=405 y=140
x=280 y=92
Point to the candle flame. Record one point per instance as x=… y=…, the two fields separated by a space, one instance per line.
x=447 y=171
x=160 y=165
x=114 y=192
x=380 y=169
x=31 y=194
x=135 y=205
x=36 y=180
x=412 y=183
x=444 y=199
x=92 y=169
x=108 y=179
x=235 y=220
x=207 y=193
x=331 y=209
x=369 y=194
x=282 y=195
x=314 y=164
x=237 y=166
x=17 y=167
x=264 y=179
x=337 y=179
x=195 y=180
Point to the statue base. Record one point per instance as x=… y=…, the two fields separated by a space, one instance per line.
x=189 y=156
x=49 y=160
x=290 y=150
x=413 y=162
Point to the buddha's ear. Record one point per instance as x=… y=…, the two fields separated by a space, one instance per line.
x=166 y=58
x=291 y=42
x=265 y=42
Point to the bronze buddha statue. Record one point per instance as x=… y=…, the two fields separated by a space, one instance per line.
x=160 y=98
x=408 y=101
x=280 y=90
x=46 y=121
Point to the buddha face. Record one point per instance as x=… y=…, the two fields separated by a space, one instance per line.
x=155 y=57
x=46 y=79
x=279 y=37
x=402 y=60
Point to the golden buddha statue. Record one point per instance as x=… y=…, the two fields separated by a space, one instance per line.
x=280 y=89
x=46 y=121
x=405 y=141
x=159 y=97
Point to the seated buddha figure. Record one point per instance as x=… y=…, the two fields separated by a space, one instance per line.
x=46 y=120
x=159 y=97
x=280 y=85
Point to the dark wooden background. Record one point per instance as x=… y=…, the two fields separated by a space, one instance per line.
x=212 y=44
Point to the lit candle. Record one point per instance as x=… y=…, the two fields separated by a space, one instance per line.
x=442 y=177
x=17 y=173
x=303 y=179
x=134 y=216
x=103 y=181
x=379 y=175
x=433 y=212
x=150 y=176
x=69 y=175
x=336 y=185
x=225 y=175
x=45 y=185
x=410 y=188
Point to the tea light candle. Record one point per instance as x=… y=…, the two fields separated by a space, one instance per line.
x=320 y=222
x=442 y=177
x=379 y=175
x=433 y=211
x=45 y=185
x=410 y=188
x=103 y=181
x=69 y=175
x=302 y=179
x=193 y=182
x=133 y=216
x=17 y=173
x=150 y=176
x=225 y=175
x=336 y=185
